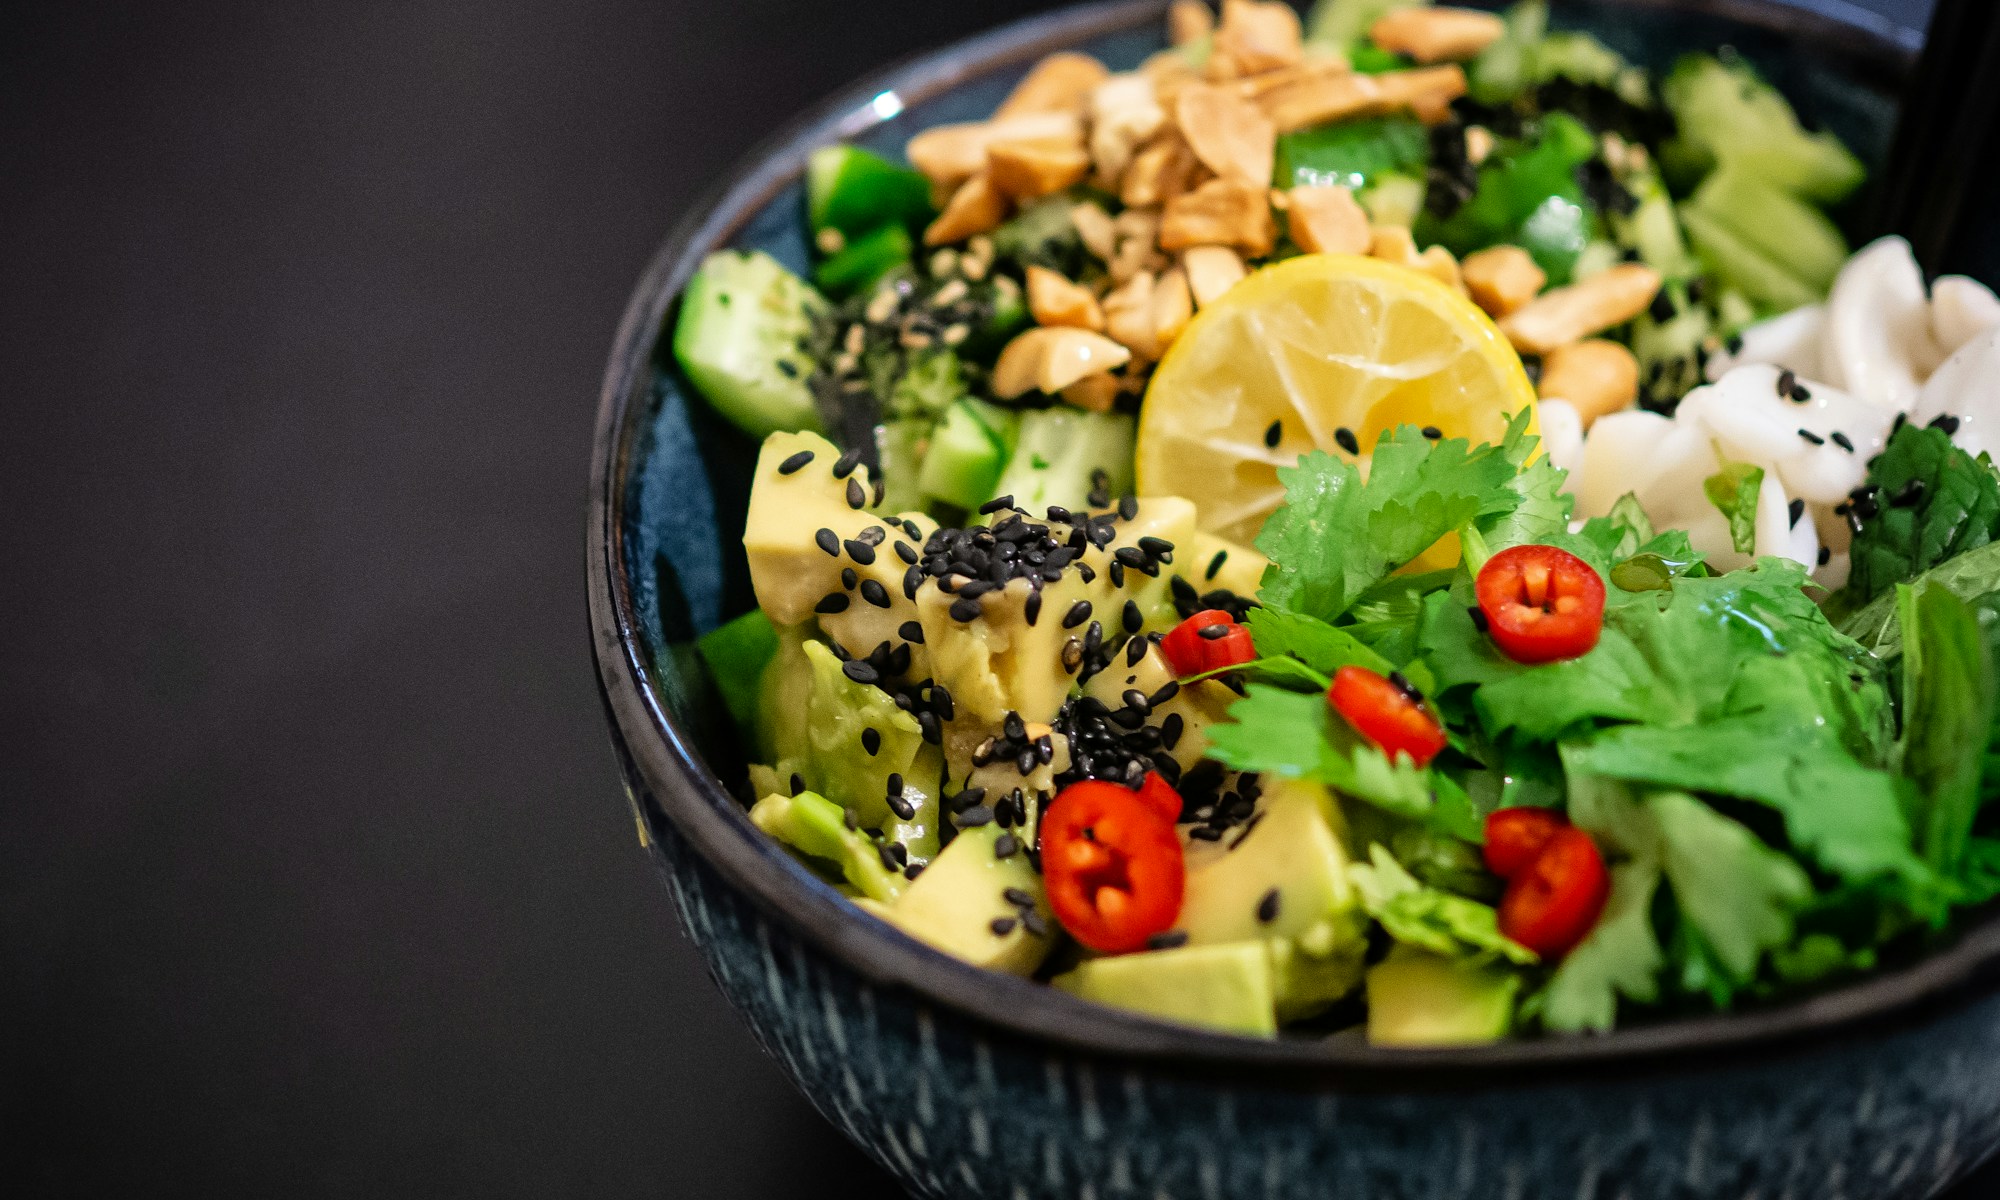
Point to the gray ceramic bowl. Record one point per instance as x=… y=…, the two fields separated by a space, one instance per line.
x=968 y=1084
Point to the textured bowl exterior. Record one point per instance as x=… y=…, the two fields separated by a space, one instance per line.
x=972 y=1085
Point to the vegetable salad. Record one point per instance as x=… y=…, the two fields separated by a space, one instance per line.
x=1399 y=522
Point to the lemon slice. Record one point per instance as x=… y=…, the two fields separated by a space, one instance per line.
x=1324 y=351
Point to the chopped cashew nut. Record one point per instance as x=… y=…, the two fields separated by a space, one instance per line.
x=1220 y=212
x=1211 y=271
x=1570 y=314
x=1329 y=96
x=1255 y=36
x=1161 y=171
x=1054 y=300
x=1442 y=265
x=1392 y=243
x=1050 y=359
x=948 y=155
x=1094 y=228
x=1432 y=35
x=1502 y=279
x=1479 y=143
x=1596 y=377
x=1230 y=135
x=1062 y=83
x=1128 y=314
x=1326 y=220
x=1027 y=169
x=1125 y=113
x=1189 y=21
x=976 y=207
x=1137 y=231
x=1096 y=392
x=1172 y=308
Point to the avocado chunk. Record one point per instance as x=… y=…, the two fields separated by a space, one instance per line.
x=815 y=827
x=960 y=905
x=1283 y=880
x=1217 y=987
x=1416 y=998
x=1209 y=561
x=839 y=715
x=789 y=565
x=742 y=321
x=1197 y=705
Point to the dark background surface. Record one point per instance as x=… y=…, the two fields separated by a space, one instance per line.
x=315 y=879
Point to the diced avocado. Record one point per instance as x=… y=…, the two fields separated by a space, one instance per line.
x=1726 y=113
x=964 y=460
x=1168 y=518
x=1197 y=705
x=1416 y=998
x=1294 y=851
x=1216 y=987
x=999 y=662
x=1061 y=450
x=736 y=654
x=1337 y=24
x=955 y=902
x=1352 y=154
x=1784 y=229
x=864 y=260
x=856 y=191
x=865 y=624
x=1209 y=561
x=816 y=828
x=837 y=718
x=743 y=320
x=790 y=571
x=1742 y=266
x=783 y=692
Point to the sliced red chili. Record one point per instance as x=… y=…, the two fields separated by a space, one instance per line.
x=1516 y=836
x=1553 y=904
x=1387 y=712
x=1159 y=795
x=1541 y=604
x=1113 y=867
x=1207 y=641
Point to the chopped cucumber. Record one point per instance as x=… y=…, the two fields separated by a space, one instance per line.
x=736 y=654
x=1651 y=229
x=965 y=458
x=743 y=322
x=1351 y=154
x=931 y=382
x=1743 y=266
x=1506 y=68
x=1579 y=58
x=1061 y=451
x=1341 y=23
x=863 y=261
x=1786 y=229
x=1529 y=196
x=1393 y=200
x=855 y=191
x=1726 y=113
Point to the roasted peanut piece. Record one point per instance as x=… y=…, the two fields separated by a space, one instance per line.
x=1062 y=83
x=1502 y=279
x=1189 y=21
x=976 y=207
x=1255 y=36
x=1220 y=212
x=1597 y=377
x=1128 y=315
x=1326 y=220
x=1051 y=359
x=948 y=155
x=1172 y=308
x=1569 y=314
x=1212 y=271
x=1032 y=168
x=1159 y=172
x=1434 y=35
x=1231 y=136
x=1095 y=230
x=1054 y=300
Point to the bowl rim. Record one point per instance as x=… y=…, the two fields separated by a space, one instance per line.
x=701 y=810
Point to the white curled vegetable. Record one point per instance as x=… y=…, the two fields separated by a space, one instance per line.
x=1878 y=342
x=1791 y=340
x=1967 y=388
x=1562 y=433
x=1961 y=309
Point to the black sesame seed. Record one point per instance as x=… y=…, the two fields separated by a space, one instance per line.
x=1002 y=926
x=832 y=602
x=1733 y=343
x=798 y=782
x=1825 y=556
x=1205 y=833
x=845 y=464
x=910 y=631
x=795 y=462
x=1812 y=437
x=828 y=541
x=1032 y=610
x=1348 y=442
x=912 y=579
x=856 y=498
x=1006 y=846
x=941 y=702
x=1034 y=923
x=964 y=609
x=1787 y=380
x=995 y=505
x=1170 y=940
x=1168 y=691
x=860 y=551
x=871 y=741
x=1130 y=617
x=848 y=578
x=913 y=870
x=1078 y=613
x=874 y=593
x=1015 y=729
x=1117 y=574
x=1910 y=493
x=1214 y=632
x=1267 y=908
x=969 y=798
x=1171 y=729
x=872 y=536
x=1215 y=564
x=1945 y=422
x=888 y=856
x=978 y=814
x=1135 y=650
x=1072 y=655
x=850 y=818
x=1018 y=898
x=1841 y=440
x=860 y=672
x=1100 y=488
x=1797 y=509
x=1275 y=434
x=1662 y=307
x=1432 y=432
x=1801 y=394
x=1896 y=426
x=1136 y=700
x=928 y=726
x=906 y=552
x=901 y=806
x=1128 y=507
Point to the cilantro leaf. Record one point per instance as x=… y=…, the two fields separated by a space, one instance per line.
x=1428 y=918
x=1734 y=490
x=1931 y=503
x=1980 y=880
x=1294 y=735
x=1336 y=536
x=1737 y=892
x=1613 y=682
x=1948 y=710
x=1278 y=631
x=1542 y=508
x=1620 y=956
x=1970 y=576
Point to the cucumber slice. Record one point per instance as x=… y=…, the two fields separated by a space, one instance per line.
x=1726 y=113
x=1652 y=229
x=1393 y=200
x=1784 y=228
x=965 y=459
x=742 y=324
x=1742 y=266
x=1061 y=452
x=1341 y=23
x=1506 y=68
x=864 y=260
x=855 y=191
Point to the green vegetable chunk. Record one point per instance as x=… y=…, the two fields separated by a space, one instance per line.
x=864 y=260
x=1352 y=154
x=1934 y=502
x=1528 y=195
x=857 y=191
x=1948 y=710
x=1064 y=454
x=1734 y=491
x=736 y=654
x=742 y=321
x=1726 y=113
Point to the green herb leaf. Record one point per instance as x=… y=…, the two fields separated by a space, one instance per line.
x=1933 y=503
x=1948 y=710
x=1277 y=631
x=1430 y=919
x=1295 y=735
x=1737 y=892
x=1970 y=576
x=1734 y=492
x=1620 y=957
